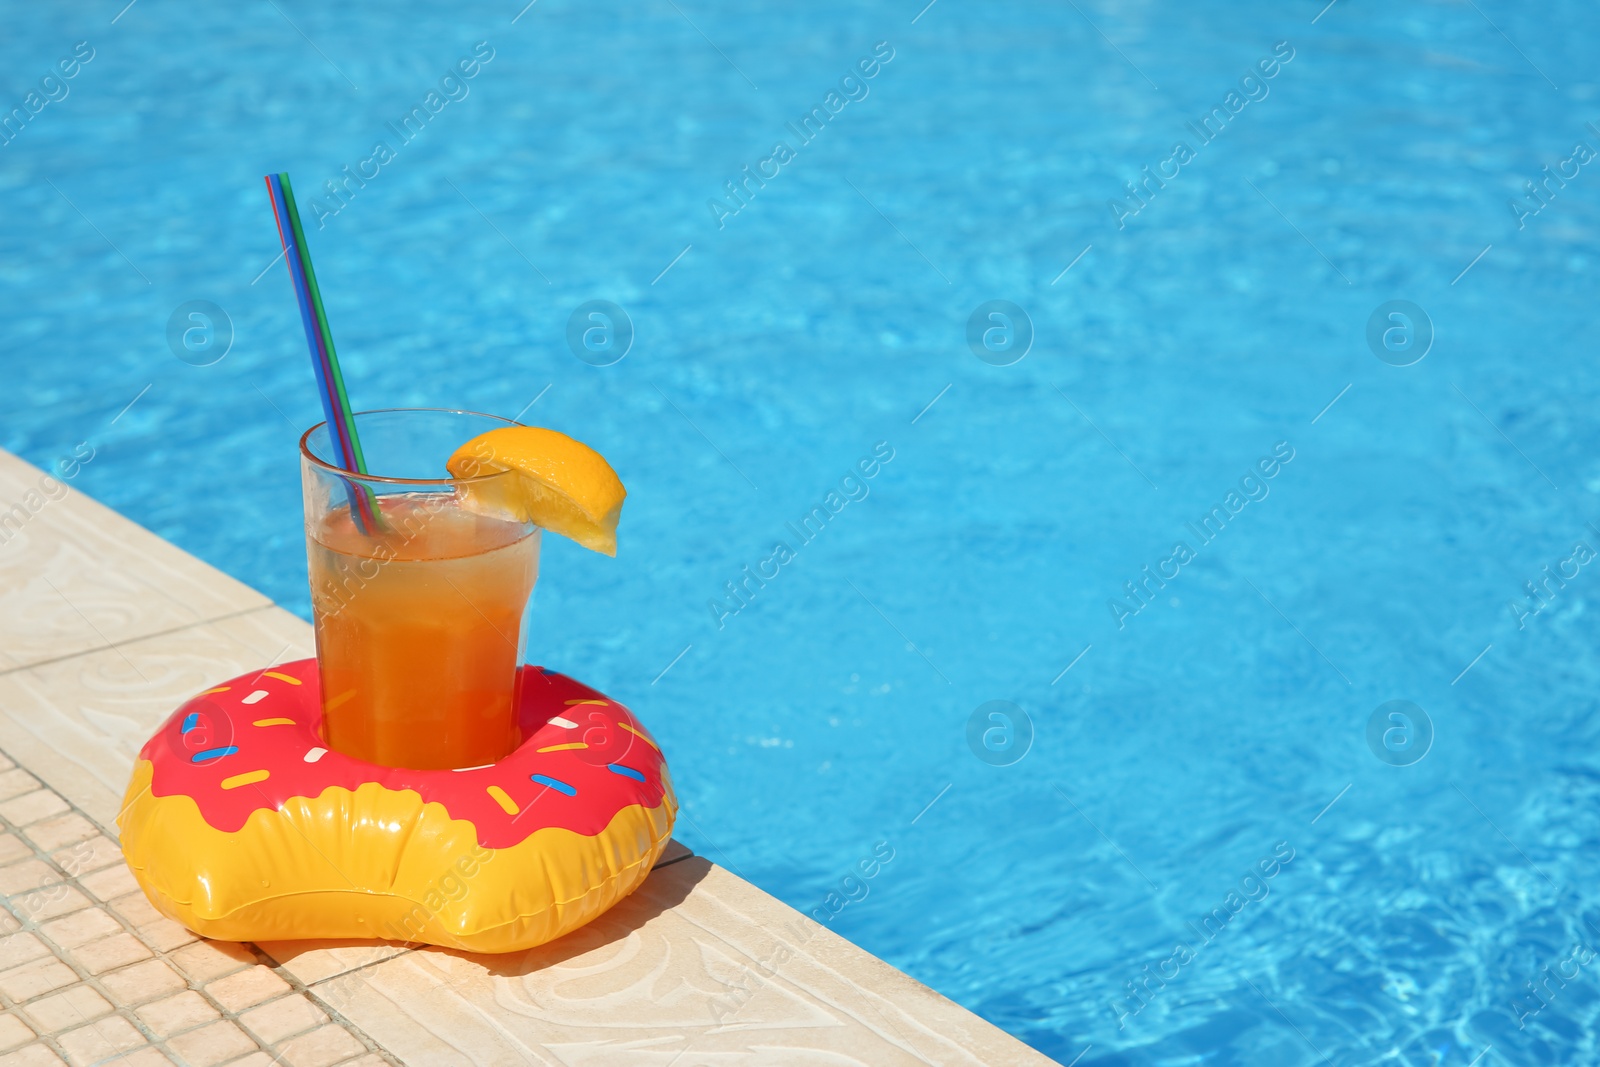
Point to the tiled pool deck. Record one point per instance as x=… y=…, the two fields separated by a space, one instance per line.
x=104 y=629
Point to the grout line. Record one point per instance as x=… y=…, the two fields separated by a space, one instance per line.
x=129 y=1012
x=134 y=640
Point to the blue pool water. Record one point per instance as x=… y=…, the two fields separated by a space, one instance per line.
x=1193 y=745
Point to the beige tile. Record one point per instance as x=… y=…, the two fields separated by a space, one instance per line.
x=316 y=961
x=8 y=922
x=13 y=1032
x=371 y=1059
x=320 y=1048
x=204 y=961
x=78 y=576
x=31 y=807
x=50 y=901
x=87 y=924
x=66 y=1010
x=164 y=935
x=109 y=953
x=144 y=1057
x=697 y=963
x=217 y=1043
x=247 y=988
x=79 y=723
x=281 y=1018
x=19 y=949
x=178 y=1013
x=29 y=874
x=13 y=848
x=255 y=1059
x=32 y=1056
x=33 y=979
x=142 y=982
x=136 y=909
x=85 y=856
x=15 y=782
x=110 y=883
x=153 y=928
x=99 y=1041
x=60 y=832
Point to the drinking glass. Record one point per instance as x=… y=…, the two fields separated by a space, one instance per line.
x=419 y=602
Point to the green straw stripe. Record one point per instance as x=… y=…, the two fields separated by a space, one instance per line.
x=322 y=325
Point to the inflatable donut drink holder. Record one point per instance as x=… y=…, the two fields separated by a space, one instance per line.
x=242 y=825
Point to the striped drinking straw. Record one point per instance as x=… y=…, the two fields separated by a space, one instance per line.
x=324 y=360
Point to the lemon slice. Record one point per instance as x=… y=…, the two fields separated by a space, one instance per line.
x=562 y=485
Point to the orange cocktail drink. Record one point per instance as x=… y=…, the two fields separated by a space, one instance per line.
x=419 y=628
x=418 y=599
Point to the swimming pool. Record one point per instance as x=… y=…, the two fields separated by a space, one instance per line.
x=1210 y=757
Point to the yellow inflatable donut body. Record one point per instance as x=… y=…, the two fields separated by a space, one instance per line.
x=240 y=825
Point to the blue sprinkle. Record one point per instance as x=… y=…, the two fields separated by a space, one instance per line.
x=213 y=754
x=626 y=772
x=190 y=721
x=560 y=787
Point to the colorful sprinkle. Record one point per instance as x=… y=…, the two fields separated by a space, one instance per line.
x=602 y=703
x=255 y=698
x=315 y=754
x=626 y=772
x=479 y=767
x=213 y=753
x=568 y=747
x=218 y=689
x=190 y=721
x=273 y=722
x=342 y=698
x=248 y=778
x=280 y=676
x=506 y=803
x=558 y=786
x=565 y=724
x=640 y=735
